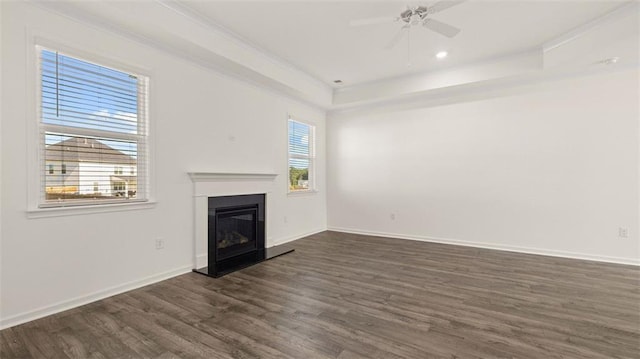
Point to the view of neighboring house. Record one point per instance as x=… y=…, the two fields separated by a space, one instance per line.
x=82 y=167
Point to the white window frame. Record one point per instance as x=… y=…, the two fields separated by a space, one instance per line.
x=311 y=158
x=36 y=207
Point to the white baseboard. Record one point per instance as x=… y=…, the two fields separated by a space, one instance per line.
x=202 y=259
x=91 y=297
x=296 y=237
x=500 y=247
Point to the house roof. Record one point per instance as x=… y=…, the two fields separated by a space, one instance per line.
x=81 y=149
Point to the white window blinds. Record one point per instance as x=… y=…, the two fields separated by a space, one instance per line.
x=301 y=156
x=93 y=125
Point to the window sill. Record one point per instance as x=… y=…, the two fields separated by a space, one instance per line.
x=88 y=209
x=308 y=192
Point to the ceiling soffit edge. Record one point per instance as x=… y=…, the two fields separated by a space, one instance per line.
x=474 y=91
x=193 y=16
x=533 y=57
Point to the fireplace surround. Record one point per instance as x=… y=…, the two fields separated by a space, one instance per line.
x=230 y=209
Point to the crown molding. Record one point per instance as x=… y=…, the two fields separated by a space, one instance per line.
x=614 y=15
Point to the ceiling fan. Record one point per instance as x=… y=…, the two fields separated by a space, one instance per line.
x=416 y=16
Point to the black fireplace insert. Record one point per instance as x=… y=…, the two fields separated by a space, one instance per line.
x=236 y=234
x=236 y=230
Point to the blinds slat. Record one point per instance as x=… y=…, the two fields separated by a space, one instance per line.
x=65 y=84
x=89 y=118
x=63 y=94
x=80 y=88
x=56 y=63
x=50 y=64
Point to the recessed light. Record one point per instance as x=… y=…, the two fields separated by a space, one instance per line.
x=442 y=54
x=610 y=61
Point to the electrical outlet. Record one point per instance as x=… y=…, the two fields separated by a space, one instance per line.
x=286 y=220
x=392 y=216
x=159 y=243
x=623 y=232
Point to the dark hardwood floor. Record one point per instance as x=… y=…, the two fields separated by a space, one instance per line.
x=350 y=296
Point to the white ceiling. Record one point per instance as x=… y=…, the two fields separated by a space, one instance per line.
x=315 y=36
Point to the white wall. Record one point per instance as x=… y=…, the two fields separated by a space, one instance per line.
x=552 y=170
x=200 y=121
x=1 y=116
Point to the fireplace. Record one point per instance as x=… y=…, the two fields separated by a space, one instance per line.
x=235 y=232
x=231 y=223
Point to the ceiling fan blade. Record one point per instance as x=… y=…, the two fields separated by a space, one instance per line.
x=441 y=28
x=396 y=38
x=373 y=21
x=443 y=5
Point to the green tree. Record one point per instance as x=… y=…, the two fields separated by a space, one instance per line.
x=296 y=174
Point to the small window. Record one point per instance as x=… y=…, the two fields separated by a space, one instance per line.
x=50 y=169
x=119 y=186
x=301 y=156
x=94 y=119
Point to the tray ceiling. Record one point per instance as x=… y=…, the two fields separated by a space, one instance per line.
x=316 y=37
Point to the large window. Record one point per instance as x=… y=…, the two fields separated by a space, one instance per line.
x=301 y=156
x=92 y=120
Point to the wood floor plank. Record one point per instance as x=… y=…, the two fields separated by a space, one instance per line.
x=12 y=345
x=349 y=296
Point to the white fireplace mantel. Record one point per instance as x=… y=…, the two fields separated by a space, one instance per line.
x=213 y=184
x=209 y=184
x=227 y=176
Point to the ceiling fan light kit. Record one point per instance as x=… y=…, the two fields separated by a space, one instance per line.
x=414 y=16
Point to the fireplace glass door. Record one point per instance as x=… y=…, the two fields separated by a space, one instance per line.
x=236 y=230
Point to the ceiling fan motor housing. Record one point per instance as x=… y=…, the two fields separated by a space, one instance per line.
x=414 y=15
